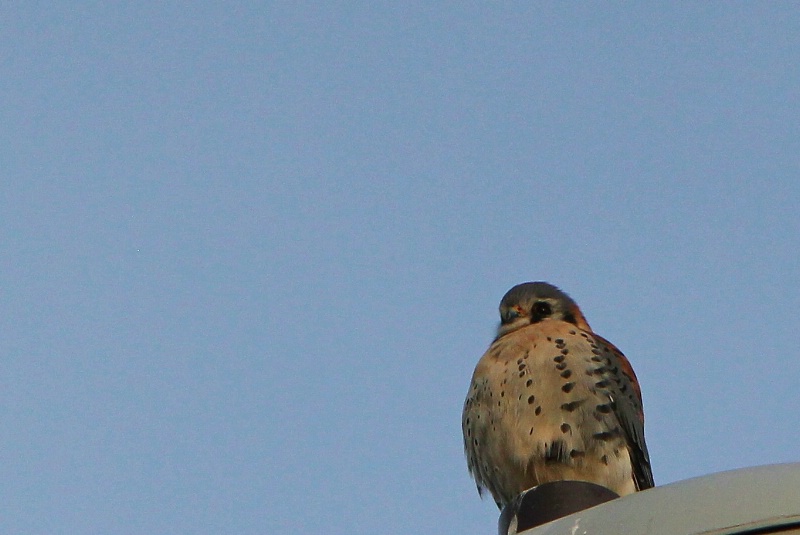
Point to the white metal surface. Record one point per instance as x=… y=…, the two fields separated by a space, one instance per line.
x=724 y=503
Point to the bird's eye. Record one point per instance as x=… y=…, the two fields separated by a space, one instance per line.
x=542 y=309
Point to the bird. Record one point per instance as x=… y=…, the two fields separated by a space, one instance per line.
x=551 y=401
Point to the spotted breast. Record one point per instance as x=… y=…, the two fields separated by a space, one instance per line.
x=551 y=401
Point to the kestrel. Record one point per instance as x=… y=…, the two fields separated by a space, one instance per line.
x=550 y=400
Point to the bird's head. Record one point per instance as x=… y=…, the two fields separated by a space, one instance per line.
x=532 y=302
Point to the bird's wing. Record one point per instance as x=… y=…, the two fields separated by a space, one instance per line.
x=628 y=410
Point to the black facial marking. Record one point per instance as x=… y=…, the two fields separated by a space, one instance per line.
x=540 y=311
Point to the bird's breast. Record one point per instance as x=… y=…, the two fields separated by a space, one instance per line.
x=541 y=408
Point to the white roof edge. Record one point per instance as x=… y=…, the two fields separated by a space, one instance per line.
x=721 y=503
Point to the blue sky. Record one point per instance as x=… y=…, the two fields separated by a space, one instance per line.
x=251 y=253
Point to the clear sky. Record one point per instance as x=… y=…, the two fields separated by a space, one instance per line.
x=252 y=252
